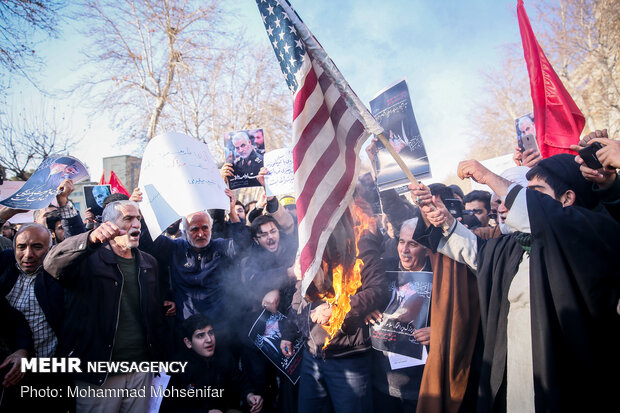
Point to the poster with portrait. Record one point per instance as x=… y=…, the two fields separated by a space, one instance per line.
x=407 y=311
x=525 y=126
x=245 y=150
x=41 y=188
x=392 y=108
x=95 y=195
x=265 y=334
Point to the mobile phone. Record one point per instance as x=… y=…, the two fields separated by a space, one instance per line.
x=455 y=206
x=588 y=154
x=528 y=142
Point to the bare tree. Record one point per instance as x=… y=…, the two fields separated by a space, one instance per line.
x=20 y=23
x=240 y=88
x=139 y=47
x=27 y=137
x=581 y=38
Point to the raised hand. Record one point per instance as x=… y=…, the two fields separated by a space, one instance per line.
x=474 y=170
x=105 y=232
x=261 y=175
x=64 y=190
x=136 y=195
x=440 y=216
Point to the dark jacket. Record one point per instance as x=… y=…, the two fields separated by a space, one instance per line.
x=93 y=280
x=263 y=271
x=73 y=226
x=15 y=330
x=353 y=336
x=47 y=290
x=198 y=276
x=219 y=372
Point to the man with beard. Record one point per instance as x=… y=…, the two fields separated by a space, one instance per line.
x=548 y=291
x=450 y=380
x=114 y=306
x=200 y=267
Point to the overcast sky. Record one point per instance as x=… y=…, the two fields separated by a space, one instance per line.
x=440 y=47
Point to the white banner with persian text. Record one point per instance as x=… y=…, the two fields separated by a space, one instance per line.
x=178 y=177
x=281 y=177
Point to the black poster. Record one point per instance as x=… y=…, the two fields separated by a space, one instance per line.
x=392 y=108
x=265 y=334
x=95 y=195
x=406 y=312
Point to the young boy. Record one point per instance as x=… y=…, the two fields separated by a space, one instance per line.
x=218 y=375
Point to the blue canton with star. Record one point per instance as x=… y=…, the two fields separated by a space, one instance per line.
x=283 y=36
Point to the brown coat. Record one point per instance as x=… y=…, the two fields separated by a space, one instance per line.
x=454 y=329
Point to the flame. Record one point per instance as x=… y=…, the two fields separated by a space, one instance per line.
x=346 y=283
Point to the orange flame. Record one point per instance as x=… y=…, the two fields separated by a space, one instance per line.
x=346 y=284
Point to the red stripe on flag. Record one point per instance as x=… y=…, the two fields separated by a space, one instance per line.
x=323 y=165
x=308 y=135
x=306 y=90
x=324 y=82
x=327 y=209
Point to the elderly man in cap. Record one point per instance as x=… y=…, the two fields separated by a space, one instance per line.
x=548 y=291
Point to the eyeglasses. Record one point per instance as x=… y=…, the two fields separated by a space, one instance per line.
x=273 y=232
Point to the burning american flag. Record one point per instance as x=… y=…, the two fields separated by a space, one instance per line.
x=330 y=124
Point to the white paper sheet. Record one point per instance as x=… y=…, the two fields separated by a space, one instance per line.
x=158 y=381
x=398 y=361
x=178 y=177
x=281 y=178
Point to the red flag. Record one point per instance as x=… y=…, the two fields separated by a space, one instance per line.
x=558 y=120
x=102 y=180
x=330 y=124
x=116 y=186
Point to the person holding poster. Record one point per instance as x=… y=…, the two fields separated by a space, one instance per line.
x=397 y=389
x=40 y=189
x=268 y=283
x=199 y=265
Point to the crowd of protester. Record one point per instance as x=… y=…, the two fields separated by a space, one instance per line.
x=524 y=313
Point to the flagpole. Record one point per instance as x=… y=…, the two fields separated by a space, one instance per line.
x=397 y=158
x=405 y=168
